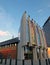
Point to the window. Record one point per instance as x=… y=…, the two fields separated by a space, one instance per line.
x=28 y=52
x=15 y=44
x=0 y=47
x=25 y=49
x=28 y=56
x=5 y=46
x=10 y=45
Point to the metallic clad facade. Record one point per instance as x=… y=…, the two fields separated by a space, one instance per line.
x=23 y=29
x=37 y=35
x=31 y=32
x=31 y=36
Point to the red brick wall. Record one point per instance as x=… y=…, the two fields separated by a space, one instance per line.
x=9 y=51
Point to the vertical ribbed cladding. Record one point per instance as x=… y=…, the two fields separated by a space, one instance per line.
x=21 y=23
x=29 y=29
x=23 y=29
x=40 y=36
x=37 y=34
x=33 y=33
x=22 y=37
x=45 y=44
x=34 y=40
x=35 y=30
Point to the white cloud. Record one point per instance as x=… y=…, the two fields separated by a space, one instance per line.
x=40 y=10
x=6 y=25
x=4 y=33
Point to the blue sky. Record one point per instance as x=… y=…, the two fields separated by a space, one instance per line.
x=11 y=12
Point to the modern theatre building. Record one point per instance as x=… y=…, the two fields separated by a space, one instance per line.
x=29 y=46
x=32 y=40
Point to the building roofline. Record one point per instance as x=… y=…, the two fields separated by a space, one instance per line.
x=11 y=41
x=46 y=21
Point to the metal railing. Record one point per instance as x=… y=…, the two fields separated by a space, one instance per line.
x=24 y=62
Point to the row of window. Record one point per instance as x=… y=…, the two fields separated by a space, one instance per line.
x=28 y=55
x=5 y=46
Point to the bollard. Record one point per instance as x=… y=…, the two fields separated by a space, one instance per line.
x=8 y=62
x=3 y=62
x=22 y=62
x=31 y=61
x=13 y=61
x=39 y=62
x=16 y=62
x=46 y=61
x=49 y=61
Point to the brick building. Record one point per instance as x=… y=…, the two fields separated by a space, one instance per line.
x=9 y=48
